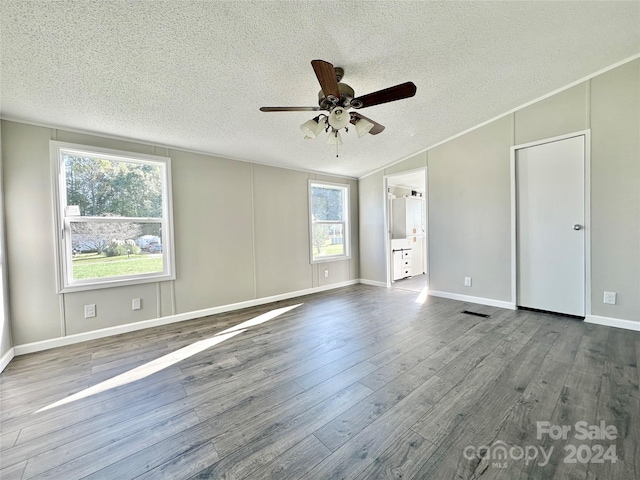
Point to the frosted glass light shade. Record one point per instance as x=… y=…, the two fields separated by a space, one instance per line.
x=309 y=128
x=339 y=118
x=363 y=127
x=320 y=126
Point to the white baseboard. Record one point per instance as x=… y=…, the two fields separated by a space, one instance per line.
x=6 y=358
x=613 y=322
x=373 y=283
x=470 y=299
x=156 y=322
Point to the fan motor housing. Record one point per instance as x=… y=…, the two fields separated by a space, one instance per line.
x=346 y=95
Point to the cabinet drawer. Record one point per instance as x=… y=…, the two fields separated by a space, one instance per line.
x=406 y=263
x=406 y=253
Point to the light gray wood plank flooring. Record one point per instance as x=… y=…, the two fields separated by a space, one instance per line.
x=359 y=382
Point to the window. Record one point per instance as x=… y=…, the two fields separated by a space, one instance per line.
x=113 y=217
x=329 y=214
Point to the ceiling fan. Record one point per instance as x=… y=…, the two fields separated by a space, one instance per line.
x=337 y=98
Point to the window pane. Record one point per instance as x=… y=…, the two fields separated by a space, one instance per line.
x=115 y=249
x=105 y=187
x=327 y=203
x=328 y=239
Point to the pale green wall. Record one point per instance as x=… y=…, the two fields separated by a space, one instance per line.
x=113 y=307
x=469 y=201
x=615 y=191
x=283 y=229
x=213 y=231
x=411 y=163
x=372 y=256
x=31 y=266
x=241 y=233
x=565 y=112
x=470 y=213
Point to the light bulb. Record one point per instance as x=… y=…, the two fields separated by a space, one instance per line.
x=339 y=118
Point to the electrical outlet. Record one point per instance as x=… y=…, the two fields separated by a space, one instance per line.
x=326 y=274
x=89 y=311
x=136 y=304
x=610 y=298
x=467 y=281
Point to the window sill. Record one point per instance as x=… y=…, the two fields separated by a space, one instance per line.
x=331 y=259
x=121 y=282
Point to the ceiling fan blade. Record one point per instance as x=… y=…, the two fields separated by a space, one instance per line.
x=391 y=94
x=377 y=128
x=327 y=77
x=289 y=109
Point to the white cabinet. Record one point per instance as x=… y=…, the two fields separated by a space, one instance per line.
x=407 y=222
x=397 y=265
x=401 y=264
x=406 y=217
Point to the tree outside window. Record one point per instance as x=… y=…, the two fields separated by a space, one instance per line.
x=114 y=211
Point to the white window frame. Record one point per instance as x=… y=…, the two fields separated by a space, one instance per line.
x=64 y=255
x=346 y=221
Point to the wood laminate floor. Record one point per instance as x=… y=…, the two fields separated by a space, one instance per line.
x=415 y=284
x=359 y=382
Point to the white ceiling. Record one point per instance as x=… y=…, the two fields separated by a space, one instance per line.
x=193 y=74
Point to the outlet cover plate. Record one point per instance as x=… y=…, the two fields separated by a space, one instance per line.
x=609 y=298
x=89 y=311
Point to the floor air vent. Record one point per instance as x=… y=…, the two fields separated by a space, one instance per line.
x=483 y=315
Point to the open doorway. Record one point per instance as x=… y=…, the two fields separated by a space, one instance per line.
x=406 y=230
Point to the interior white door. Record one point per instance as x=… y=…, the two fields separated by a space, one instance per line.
x=550 y=226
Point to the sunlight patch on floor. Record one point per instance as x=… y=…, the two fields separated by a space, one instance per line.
x=170 y=359
x=423 y=295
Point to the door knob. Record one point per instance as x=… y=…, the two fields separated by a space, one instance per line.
x=577 y=227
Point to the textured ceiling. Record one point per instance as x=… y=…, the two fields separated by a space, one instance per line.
x=193 y=74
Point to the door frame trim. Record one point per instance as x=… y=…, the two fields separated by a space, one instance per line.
x=387 y=224
x=587 y=212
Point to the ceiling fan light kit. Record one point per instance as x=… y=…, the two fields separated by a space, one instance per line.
x=363 y=127
x=312 y=128
x=334 y=138
x=337 y=98
x=339 y=118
